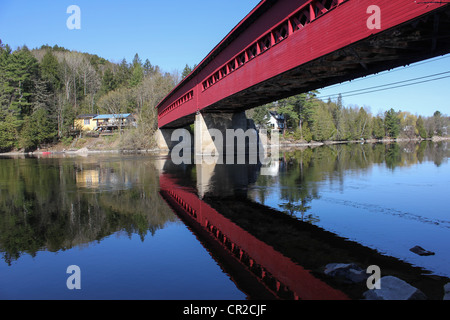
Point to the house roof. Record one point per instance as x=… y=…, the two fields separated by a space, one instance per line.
x=276 y=115
x=112 y=116
x=85 y=116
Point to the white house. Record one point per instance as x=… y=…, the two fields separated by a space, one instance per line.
x=276 y=121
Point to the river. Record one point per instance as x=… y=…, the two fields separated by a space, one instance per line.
x=140 y=227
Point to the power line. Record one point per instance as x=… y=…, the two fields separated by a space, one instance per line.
x=406 y=85
x=392 y=85
x=391 y=71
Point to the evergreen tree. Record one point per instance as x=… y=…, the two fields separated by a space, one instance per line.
x=186 y=71
x=18 y=70
x=286 y=109
x=378 y=130
x=261 y=115
x=149 y=69
x=109 y=82
x=438 y=123
x=123 y=74
x=37 y=129
x=137 y=71
x=49 y=67
x=137 y=75
x=392 y=123
x=9 y=128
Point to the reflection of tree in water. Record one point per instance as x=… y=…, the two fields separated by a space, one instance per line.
x=441 y=152
x=297 y=190
x=293 y=209
x=393 y=156
x=302 y=171
x=409 y=153
x=43 y=208
x=264 y=182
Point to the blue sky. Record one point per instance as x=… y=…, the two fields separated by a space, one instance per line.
x=173 y=33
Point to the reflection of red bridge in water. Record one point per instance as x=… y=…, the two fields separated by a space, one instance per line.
x=278 y=274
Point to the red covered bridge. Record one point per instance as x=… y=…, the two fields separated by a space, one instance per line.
x=286 y=47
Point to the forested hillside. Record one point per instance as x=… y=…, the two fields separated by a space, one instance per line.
x=43 y=90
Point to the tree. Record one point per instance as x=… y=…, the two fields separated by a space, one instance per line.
x=186 y=71
x=18 y=70
x=363 y=124
x=337 y=112
x=9 y=128
x=408 y=124
x=298 y=110
x=50 y=70
x=109 y=82
x=392 y=123
x=5 y=90
x=420 y=125
x=115 y=102
x=137 y=71
x=308 y=107
x=149 y=69
x=136 y=61
x=37 y=129
x=260 y=115
x=378 y=130
x=286 y=109
x=89 y=77
x=438 y=123
x=123 y=73
x=137 y=75
x=322 y=127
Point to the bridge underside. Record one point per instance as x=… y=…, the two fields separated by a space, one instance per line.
x=422 y=38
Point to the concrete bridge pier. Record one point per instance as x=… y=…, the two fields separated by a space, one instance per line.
x=228 y=138
x=163 y=139
x=224 y=134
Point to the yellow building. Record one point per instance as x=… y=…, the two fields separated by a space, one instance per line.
x=85 y=122
x=88 y=178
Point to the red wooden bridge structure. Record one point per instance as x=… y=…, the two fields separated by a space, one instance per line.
x=286 y=47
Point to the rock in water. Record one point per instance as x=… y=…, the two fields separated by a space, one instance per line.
x=421 y=251
x=447 y=291
x=346 y=272
x=393 y=288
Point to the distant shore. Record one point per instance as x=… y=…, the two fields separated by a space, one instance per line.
x=288 y=143
x=86 y=150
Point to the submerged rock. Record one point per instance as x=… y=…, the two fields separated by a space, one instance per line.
x=447 y=291
x=346 y=272
x=393 y=288
x=421 y=251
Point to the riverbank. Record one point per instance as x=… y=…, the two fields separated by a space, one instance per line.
x=290 y=143
x=111 y=144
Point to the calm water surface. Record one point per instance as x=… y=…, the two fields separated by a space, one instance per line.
x=106 y=215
